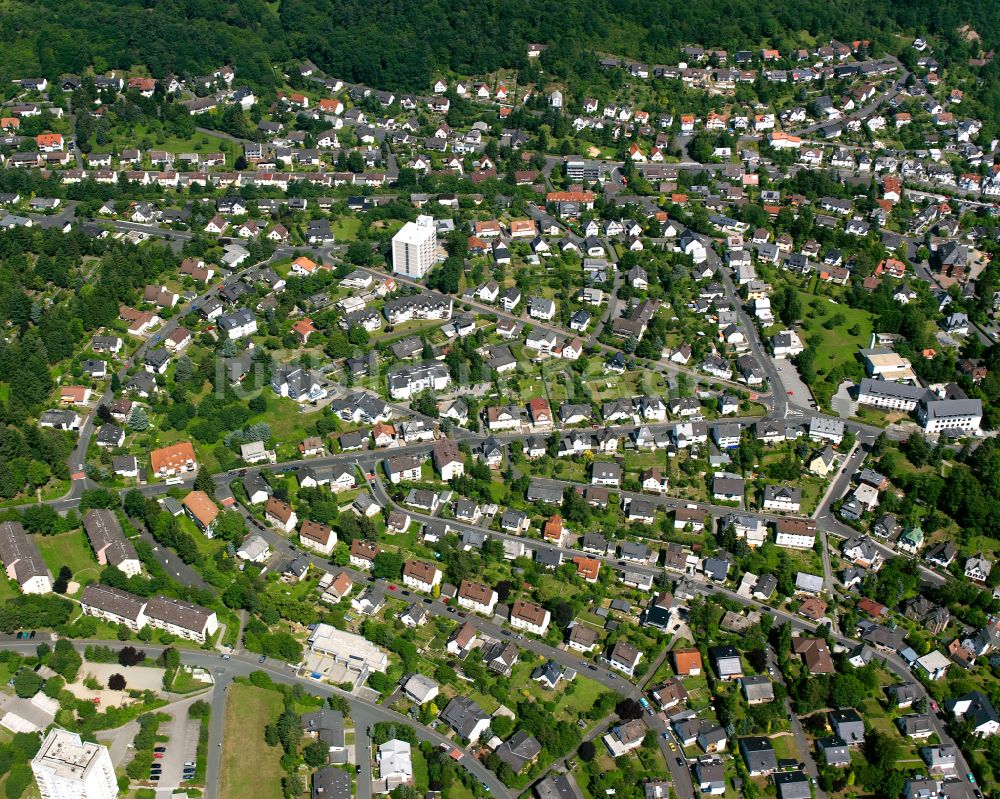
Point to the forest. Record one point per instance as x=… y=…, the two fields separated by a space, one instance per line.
x=404 y=44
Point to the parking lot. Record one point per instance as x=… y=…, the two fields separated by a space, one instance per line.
x=181 y=748
x=797 y=392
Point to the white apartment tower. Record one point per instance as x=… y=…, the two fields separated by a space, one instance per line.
x=66 y=767
x=414 y=248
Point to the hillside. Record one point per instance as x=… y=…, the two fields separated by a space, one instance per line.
x=401 y=44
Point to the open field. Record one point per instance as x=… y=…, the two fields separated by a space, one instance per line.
x=248 y=710
x=69 y=549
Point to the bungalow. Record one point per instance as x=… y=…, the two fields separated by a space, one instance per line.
x=815 y=655
x=687 y=662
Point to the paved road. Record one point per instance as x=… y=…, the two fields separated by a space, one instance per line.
x=836 y=489
x=216 y=730
x=801 y=741
x=363 y=722
x=829 y=524
x=865 y=111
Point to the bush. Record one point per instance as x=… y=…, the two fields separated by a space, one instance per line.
x=116 y=682
x=18 y=780
x=27 y=684
x=130 y=656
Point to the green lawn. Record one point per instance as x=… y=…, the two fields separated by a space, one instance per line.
x=421 y=777
x=7 y=590
x=146 y=140
x=836 y=346
x=69 y=549
x=346 y=228
x=458 y=790
x=207 y=546
x=248 y=710
x=784 y=747
x=581 y=699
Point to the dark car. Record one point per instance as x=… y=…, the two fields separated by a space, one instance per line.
x=680 y=762
x=159 y=749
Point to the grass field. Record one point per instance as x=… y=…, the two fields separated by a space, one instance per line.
x=421 y=777
x=7 y=590
x=784 y=747
x=248 y=710
x=842 y=347
x=837 y=332
x=459 y=791
x=69 y=549
x=346 y=228
x=582 y=699
x=156 y=140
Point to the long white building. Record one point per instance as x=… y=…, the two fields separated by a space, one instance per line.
x=66 y=767
x=963 y=415
x=889 y=395
x=22 y=560
x=414 y=248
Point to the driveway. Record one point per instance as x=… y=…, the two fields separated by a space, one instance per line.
x=841 y=402
x=119 y=742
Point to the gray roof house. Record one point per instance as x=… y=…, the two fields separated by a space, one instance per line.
x=331 y=783
x=712 y=737
x=792 y=785
x=759 y=756
x=916 y=725
x=519 y=751
x=465 y=717
x=939 y=759
x=711 y=776
x=757 y=689
x=726 y=661
x=847 y=724
x=835 y=751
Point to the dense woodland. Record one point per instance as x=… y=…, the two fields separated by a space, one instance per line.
x=402 y=45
